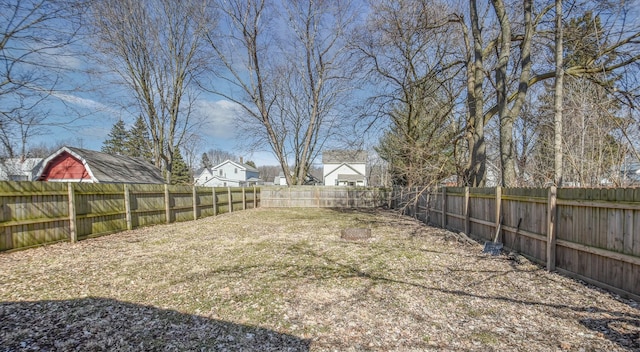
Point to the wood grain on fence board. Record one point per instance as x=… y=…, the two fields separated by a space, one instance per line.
x=595 y=232
x=36 y=213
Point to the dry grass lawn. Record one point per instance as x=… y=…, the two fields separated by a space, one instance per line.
x=283 y=279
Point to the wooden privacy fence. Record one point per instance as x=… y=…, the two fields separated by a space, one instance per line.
x=36 y=213
x=589 y=234
x=323 y=197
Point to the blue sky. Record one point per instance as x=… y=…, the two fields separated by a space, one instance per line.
x=87 y=101
x=92 y=118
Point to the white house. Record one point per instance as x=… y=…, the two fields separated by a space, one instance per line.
x=630 y=173
x=280 y=180
x=228 y=174
x=344 y=167
x=19 y=169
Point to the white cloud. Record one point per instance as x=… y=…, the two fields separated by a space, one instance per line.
x=221 y=118
x=61 y=57
x=82 y=102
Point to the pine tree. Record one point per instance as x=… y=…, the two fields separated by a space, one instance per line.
x=116 y=140
x=138 y=144
x=205 y=163
x=251 y=163
x=180 y=171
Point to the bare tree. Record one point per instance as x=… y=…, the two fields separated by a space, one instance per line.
x=155 y=47
x=34 y=40
x=216 y=156
x=503 y=59
x=288 y=67
x=408 y=50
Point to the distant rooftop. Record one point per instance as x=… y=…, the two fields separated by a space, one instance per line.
x=344 y=156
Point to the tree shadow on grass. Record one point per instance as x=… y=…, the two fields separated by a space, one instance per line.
x=100 y=324
x=622 y=328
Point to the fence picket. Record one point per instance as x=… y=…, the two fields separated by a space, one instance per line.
x=585 y=233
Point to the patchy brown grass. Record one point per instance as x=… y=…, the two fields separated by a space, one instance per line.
x=283 y=279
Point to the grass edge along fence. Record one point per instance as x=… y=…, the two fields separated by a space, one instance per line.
x=589 y=234
x=37 y=213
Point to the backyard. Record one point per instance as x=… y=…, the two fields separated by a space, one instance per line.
x=284 y=280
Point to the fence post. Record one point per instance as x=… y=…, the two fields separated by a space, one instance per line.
x=229 y=199
x=73 y=234
x=415 y=205
x=255 y=199
x=551 y=228
x=167 y=203
x=389 y=196
x=428 y=210
x=215 y=201
x=127 y=207
x=444 y=207
x=244 y=199
x=195 y=203
x=498 y=207
x=466 y=211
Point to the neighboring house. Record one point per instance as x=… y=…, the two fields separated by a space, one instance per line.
x=631 y=174
x=70 y=164
x=19 y=169
x=202 y=176
x=344 y=167
x=280 y=180
x=310 y=180
x=228 y=174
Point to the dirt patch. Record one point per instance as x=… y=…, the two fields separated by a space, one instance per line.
x=280 y=279
x=355 y=234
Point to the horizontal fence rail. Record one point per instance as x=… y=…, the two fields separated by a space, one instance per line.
x=323 y=197
x=589 y=234
x=37 y=213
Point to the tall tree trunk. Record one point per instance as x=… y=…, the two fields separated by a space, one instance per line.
x=507 y=156
x=558 y=96
x=477 y=168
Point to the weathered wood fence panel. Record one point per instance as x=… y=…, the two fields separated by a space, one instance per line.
x=147 y=205
x=36 y=213
x=524 y=214
x=181 y=203
x=590 y=234
x=322 y=197
x=482 y=216
x=99 y=209
x=33 y=213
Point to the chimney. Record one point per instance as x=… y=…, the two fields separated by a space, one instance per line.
x=241 y=160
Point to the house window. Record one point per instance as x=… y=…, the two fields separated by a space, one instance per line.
x=220 y=172
x=236 y=170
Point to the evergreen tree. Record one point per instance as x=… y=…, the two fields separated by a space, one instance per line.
x=205 y=163
x=180 y=171
x=138 y=144
x=251 y=163
x=116 y=140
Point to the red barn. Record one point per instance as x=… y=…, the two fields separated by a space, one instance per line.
x=81 y=165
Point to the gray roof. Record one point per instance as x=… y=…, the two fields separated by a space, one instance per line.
x=108 y=168
x=245 y=166
x=344 y=156
x=249 y=167
x=19 y=169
